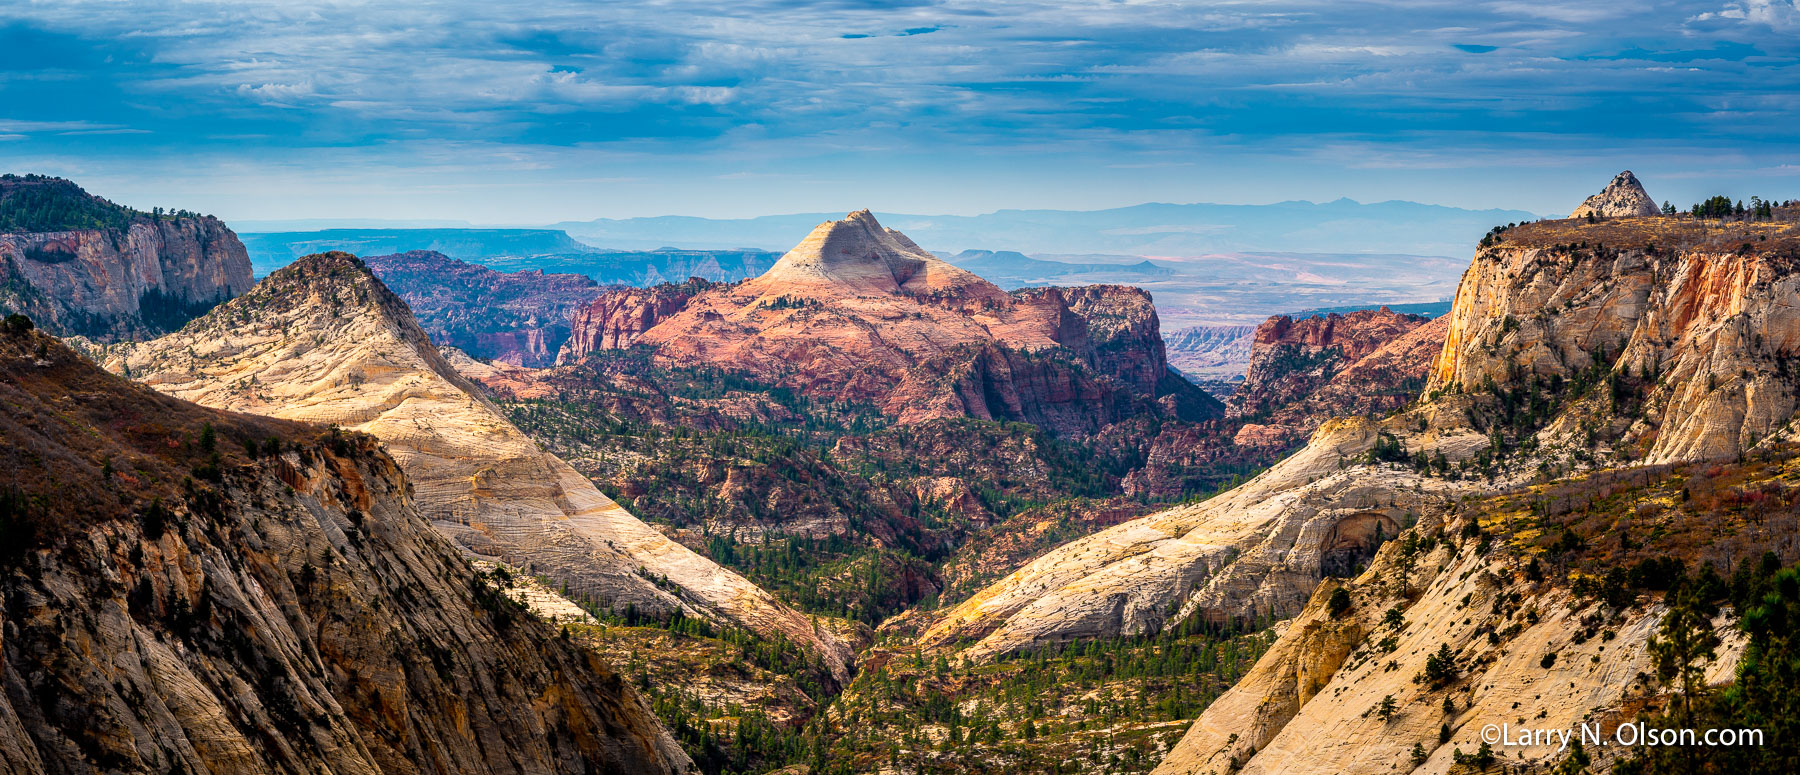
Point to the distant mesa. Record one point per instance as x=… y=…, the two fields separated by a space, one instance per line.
x=1623 y=197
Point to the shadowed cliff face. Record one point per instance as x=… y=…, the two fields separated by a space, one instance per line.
x=175 y=602
x=323 y=340
x=859 y=313
x=81 y=265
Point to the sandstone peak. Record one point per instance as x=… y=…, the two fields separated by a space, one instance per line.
x=857 y=255
x=1624 y=196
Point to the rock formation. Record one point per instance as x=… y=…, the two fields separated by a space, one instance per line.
x=1304 y=372
x=323 y=340
x=616 y=319
x=1623 y=197
x=190 y=590
x=519 y=318
x=1570 y=346
x=1479 y=619
x=1693 y=333
x=857 y=312
x=79 y=264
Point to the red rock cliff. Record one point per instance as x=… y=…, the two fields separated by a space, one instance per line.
x=79 y=264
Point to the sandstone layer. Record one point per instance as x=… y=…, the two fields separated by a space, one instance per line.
x=322 y=340
x=1695 y=330
x=284 y=610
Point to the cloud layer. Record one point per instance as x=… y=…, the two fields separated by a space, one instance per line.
x=973 y=104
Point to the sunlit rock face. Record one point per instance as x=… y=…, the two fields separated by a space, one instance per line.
x=1623 y=197
x=139 y=274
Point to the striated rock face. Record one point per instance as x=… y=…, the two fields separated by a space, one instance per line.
x=1211 y=352
x=1305 y=372
x=131 y=274
x=857 y=312
x=1695 y=332
x=619 y=316
x=1623 y=197
x=519 y=318
x=323 y=340
x=1569 y=345
x=283 y=611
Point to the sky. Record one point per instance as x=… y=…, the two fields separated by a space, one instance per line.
x=501 y=112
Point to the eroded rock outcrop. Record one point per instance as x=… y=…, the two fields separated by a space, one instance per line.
x=1303 y=372
x=285 y=609
x=619 y=316
x=1623 y=197
x=1693 y=332
x=82 y=265
x=323 y=340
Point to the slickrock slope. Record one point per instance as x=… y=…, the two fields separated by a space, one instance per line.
x=1259 y=548
x=857 y=312
x=1623 y=197
x=1540 y=630
x=1570 y=345
x=520 y=318
x=323 y=340
x=175 y=602
x=79 y=264
x=1649 y=339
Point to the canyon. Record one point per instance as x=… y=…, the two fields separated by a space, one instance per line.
x=516 y=318
x=919 y=522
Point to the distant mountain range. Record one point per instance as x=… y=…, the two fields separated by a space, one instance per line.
x=1341 y=226
x=273 y=250
x=646 y=267
x=1011 y=269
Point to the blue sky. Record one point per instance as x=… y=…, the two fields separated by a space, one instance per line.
x=502 y=112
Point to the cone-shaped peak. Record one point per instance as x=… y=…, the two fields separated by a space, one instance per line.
x=1624 y=196
x=333 y=279
x=857 y=255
